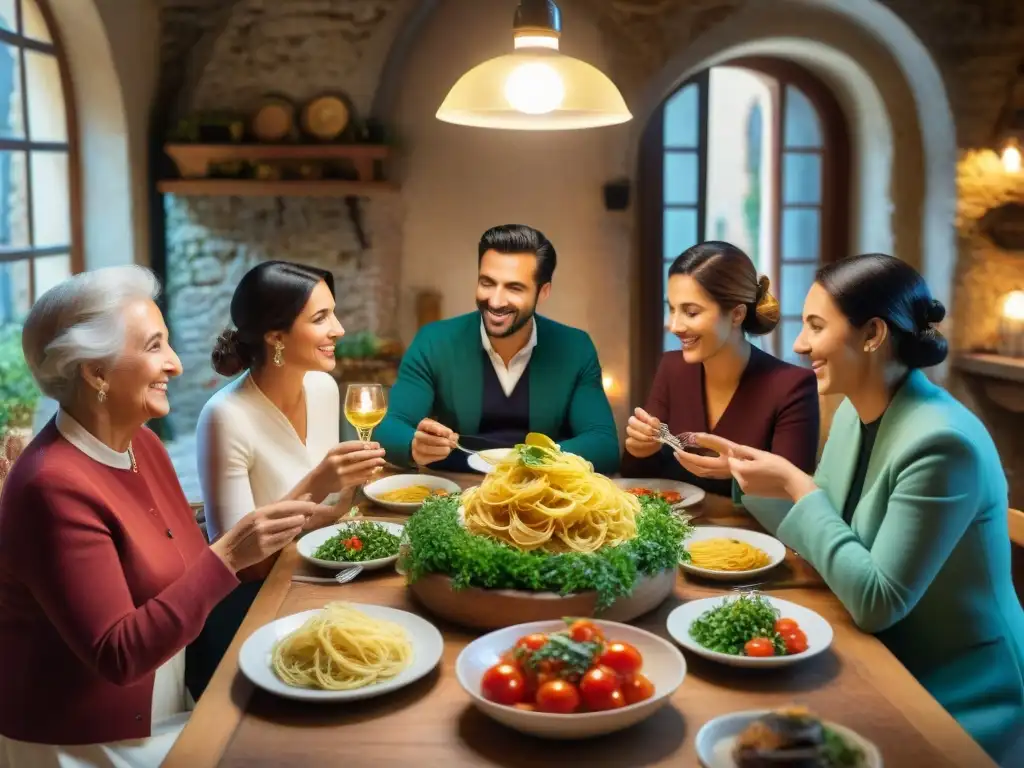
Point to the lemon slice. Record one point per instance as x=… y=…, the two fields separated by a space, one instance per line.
x=541 y=441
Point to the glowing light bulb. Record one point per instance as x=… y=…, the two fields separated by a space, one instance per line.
x=607 y=382
x=534 y=88
x=1011 y=159
x=1013 y=305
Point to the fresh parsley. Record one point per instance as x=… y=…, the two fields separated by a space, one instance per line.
x=531 y=455
x=439 y=544
x=575 y=657
x=358 y=543
x=728 y=627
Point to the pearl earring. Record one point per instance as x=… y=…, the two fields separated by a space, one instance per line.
x=278 y=354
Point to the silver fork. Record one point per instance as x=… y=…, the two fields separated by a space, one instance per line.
x=489 y=460
x=343 y=576
x=667 y=438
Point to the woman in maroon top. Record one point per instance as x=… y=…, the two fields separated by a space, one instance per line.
x=721 y=383
x=105 y=576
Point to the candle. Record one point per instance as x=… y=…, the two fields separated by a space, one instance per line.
x=1011 y=325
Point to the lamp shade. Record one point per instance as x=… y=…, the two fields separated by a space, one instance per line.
x=534 y=89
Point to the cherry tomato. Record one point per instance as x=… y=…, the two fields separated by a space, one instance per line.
x=759 y=646
x=796 y=641
x=782 y=626
x=504 y=684
x=671 y=497
x=597 y=687
x=532 y=642
x=558 y=696
x=584 y=631
x=637 y=688
x=621 y=657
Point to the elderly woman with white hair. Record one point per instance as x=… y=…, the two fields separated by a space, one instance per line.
x=105 y=576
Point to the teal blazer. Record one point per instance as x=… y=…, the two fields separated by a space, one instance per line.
x=925 y=561
x=441 y=377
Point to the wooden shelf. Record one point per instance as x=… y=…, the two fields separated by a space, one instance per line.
x=258 y=188
x=992 y=366
x=997 y=377
x=193 y=160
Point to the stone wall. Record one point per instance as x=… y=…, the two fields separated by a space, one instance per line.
x=227 y=56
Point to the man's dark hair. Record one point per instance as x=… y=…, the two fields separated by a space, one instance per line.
x=519 y=238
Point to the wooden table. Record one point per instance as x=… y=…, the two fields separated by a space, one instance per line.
x=857 y=683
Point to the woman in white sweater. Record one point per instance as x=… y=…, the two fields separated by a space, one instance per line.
x=273 y=432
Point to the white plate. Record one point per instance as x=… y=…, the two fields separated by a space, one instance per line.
x=256 y=653
x=818 y=630
x=663 y=665
x=374 y=490
x=480 y=465
x=771 y=546
x=715 y=740
x=691 y=493
x=309 y=544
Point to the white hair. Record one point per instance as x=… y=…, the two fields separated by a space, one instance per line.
x=81 y=321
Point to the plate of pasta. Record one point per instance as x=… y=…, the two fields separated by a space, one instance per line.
x=731 y=554
x=341 y=652
x=406 y=493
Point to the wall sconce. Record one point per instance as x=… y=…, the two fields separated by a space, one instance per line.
x=1011 y=325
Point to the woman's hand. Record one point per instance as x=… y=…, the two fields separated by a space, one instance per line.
x=349 y=464
x=641 y=430
x=760 y=473
x=263 y=532
x=711 y=467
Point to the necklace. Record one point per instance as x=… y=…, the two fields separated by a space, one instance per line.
x=131 y=455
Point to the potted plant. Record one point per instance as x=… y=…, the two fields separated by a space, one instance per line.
x=18 y=393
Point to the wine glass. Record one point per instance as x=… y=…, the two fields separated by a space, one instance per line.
x=365 y=407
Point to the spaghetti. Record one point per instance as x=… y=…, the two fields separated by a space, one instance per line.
x=412 y=494
x=726 y=555
x=539 y=498
x=341 y=649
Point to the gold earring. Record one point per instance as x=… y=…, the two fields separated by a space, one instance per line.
x=278 y=354
x=102 y=394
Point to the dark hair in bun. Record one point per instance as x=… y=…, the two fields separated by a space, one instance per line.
x=876 y=285
x=730 y=278
x=269 y=297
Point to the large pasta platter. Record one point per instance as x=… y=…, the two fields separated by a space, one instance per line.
x=542 y=537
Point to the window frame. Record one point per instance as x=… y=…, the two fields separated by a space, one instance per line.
x=69 y=147
x=834 y=207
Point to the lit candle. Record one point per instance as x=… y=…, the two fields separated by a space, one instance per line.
x=1011 y=325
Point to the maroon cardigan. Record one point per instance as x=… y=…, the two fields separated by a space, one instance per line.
x=774 y=408
x=104 y=576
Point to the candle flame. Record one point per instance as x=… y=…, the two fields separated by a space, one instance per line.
x=1013 y=305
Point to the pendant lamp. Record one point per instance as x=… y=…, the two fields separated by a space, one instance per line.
x=534 y=88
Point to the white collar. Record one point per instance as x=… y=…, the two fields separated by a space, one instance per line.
x=489 y=348
x=89 y=444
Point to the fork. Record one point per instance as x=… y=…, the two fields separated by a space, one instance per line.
x=667 y=438
x=341 y=577
x=492 y=462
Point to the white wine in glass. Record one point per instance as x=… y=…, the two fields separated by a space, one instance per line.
x=365 y=408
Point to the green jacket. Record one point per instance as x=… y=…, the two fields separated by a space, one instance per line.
x=441 y=377
x=925 y=561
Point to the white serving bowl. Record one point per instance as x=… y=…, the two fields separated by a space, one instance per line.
x=690 y=494
x=309 y=543
x=715 y=739
x=374 y=490
x=818 y=630
x=480 y=463
x=771 y=546
x=663 y=665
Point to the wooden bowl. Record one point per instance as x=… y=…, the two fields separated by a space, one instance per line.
x=497 y=608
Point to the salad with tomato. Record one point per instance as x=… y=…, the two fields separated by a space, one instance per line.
x=571 y=671
x=749 y=625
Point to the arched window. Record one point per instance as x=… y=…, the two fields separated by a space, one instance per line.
x=39 y=228
x=754 y=152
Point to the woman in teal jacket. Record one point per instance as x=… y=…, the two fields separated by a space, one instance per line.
x=906 y=516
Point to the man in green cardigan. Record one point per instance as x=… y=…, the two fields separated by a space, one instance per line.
x=487 y=378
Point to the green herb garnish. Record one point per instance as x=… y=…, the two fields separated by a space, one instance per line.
x=576 y=658
x=839 y=753
x=358 y=543
x=532 y=455
x=728 y=627
x=439 y=544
